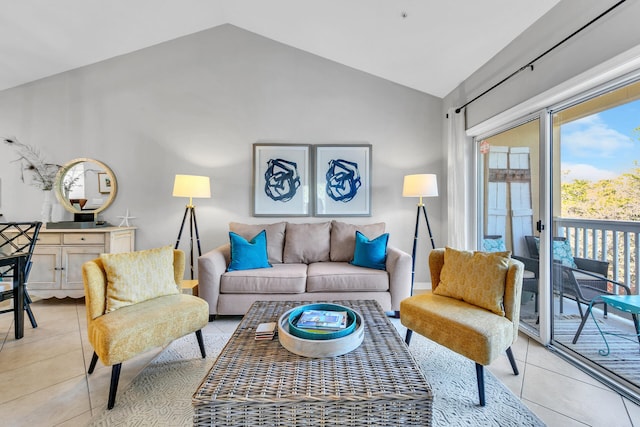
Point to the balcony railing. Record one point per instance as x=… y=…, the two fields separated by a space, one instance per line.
x=613 y=241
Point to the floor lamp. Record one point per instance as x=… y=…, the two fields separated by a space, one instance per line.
x=420 y=185
x=191 y=186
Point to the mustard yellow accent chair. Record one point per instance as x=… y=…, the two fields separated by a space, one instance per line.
x=473 y=309
x=124 y=319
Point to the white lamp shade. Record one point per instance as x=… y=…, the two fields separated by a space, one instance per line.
x=192 y=186
x=420 y=185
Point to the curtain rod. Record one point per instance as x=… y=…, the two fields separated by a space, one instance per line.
x=530 y=63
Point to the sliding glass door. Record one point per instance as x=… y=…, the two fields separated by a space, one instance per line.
x=593 y=243
x=509 y=191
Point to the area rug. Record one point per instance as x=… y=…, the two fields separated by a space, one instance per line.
x=161 y=394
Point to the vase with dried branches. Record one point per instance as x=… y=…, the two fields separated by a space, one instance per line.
x=36 y=171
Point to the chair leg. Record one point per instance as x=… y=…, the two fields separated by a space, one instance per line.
x=512 y=361
x=582 y=323
x=27 y=307
x=201 y=343
x=480 y=375
x=579 y=307
x=407 y=337
x=92 y=365
x=115 y=376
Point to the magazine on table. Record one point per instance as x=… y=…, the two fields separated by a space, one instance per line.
x=322 y=319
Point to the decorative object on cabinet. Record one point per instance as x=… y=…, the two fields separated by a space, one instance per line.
x=18 y=238
x=343 y=180
x=42 y=173
x=60 y=253
x=281 y=179
x=419 y=185
x=125 y=219
x=72 y=185
x=191 y=186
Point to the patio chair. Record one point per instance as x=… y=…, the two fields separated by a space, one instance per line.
x=591 y=273
x=18 y=237
x=589 y=295
x=530 y=278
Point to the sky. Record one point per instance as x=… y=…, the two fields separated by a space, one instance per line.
x=603 y=145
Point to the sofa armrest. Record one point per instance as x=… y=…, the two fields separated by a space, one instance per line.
x=399 y=269
x=211 y=266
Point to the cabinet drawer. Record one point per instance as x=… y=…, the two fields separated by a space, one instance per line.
x=83 y=238
x=44 y=239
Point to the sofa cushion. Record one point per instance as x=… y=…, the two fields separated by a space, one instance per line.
x=281 y=279
x=344 y=277
x=307 y=243
x=343 y=238
x=245 y=254
x=153 y=267
x=475 y=277
x=275 y=236
x=371 y=253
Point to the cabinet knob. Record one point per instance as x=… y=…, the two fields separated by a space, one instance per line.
x=82 y=238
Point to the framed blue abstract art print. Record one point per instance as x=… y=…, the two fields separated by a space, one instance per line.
x=343 y=180
x=281 y=179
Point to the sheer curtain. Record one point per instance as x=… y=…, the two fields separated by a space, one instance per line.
x=461 y=212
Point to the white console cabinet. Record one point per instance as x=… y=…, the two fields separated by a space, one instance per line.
x=59 y=254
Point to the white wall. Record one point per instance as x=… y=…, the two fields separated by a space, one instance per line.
x=195 y=105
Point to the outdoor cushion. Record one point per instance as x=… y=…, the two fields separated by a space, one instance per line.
x=493 y=244
x=561 y=252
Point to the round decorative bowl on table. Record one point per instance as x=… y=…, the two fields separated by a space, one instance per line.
x=313 y=344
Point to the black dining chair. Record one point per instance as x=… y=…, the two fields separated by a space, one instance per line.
x=18 y=237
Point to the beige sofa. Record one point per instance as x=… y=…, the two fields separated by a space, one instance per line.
x=310 y=262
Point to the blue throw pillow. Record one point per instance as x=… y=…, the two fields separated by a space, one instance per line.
x=371 y=253
x=247 y=255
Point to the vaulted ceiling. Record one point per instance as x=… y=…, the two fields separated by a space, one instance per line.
x=428 y=45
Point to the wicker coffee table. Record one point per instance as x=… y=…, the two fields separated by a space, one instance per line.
x=260 y=383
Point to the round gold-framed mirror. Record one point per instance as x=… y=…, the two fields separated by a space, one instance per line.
x=85 y=186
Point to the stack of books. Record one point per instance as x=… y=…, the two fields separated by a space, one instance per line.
x=266 y=331
x=322 y=321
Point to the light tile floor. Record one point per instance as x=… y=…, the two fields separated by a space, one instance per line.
x=43 y=380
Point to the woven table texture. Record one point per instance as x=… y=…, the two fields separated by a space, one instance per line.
x=260 y=383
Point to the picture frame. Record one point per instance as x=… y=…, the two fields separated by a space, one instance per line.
x=342 y=180
x=104 y=183
x=281 y=179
